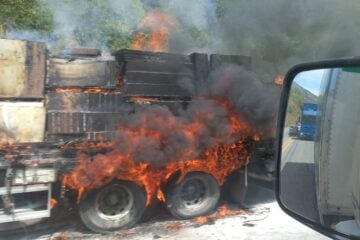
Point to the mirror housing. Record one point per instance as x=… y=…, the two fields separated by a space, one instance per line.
x=293 y=207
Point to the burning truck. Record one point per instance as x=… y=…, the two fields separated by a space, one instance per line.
x=115 y=134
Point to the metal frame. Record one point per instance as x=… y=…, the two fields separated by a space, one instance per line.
x=332 y=63
x=21 y=215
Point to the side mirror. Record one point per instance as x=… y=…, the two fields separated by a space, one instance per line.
x=318 y=171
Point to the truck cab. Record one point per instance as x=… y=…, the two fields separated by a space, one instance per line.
x=308 y=126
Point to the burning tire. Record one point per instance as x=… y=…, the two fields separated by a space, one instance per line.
x=196 y=195
x=120 y=204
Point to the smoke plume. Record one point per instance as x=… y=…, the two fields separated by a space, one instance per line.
x=276 y=34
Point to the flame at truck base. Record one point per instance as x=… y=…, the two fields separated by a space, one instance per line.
x=228 y=153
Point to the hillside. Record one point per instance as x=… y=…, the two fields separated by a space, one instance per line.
x=297 y=96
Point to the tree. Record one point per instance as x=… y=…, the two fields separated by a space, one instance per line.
x=104 y=24
x=24 y=15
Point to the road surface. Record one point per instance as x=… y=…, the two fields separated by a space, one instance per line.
x=296 y=150
x=298 y=186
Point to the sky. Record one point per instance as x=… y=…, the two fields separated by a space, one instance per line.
x=310 y=80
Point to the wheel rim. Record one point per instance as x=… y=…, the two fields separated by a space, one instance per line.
x=114 y=202
x=193 y=192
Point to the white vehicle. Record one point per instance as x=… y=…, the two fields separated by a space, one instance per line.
x=338 y=174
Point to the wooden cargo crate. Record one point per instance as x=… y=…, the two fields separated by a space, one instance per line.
x=157 y=74
x=22 y=122
x=127 y=55
x=81 y=122
x=156 y=90
x=22 y=67
x=83 y=101
x=91 y=72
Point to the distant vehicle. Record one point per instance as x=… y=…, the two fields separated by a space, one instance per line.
x=308 y=115
x=293 y=130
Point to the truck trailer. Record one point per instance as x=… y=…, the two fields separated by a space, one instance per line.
x=337 y=150
x=60 y=115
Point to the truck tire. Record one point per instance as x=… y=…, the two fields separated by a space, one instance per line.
x=196 y=195
x=120 y=204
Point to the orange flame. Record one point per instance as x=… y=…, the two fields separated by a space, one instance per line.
x=154 y=34
x=221 y=159
x=174 y=225
x=53 y=202
x=222 y=211
x=88 y=90
x=279 y=80
x=160 y=195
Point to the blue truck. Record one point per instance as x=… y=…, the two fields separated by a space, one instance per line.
x=308 y=116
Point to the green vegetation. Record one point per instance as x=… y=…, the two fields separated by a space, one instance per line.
x=298 y=96
x=107 y=26
x=104 y=24
x=293 y=109
x=25 y=15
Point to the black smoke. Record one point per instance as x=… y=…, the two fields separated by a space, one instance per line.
x=157 y=134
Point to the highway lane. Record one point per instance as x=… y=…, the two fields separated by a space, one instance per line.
x=296 y=150
x=298 y=177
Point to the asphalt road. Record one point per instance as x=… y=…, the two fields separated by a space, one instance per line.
x=298 y=190
x=296 y=150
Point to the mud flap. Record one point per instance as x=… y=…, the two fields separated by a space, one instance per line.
x=235 y=187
